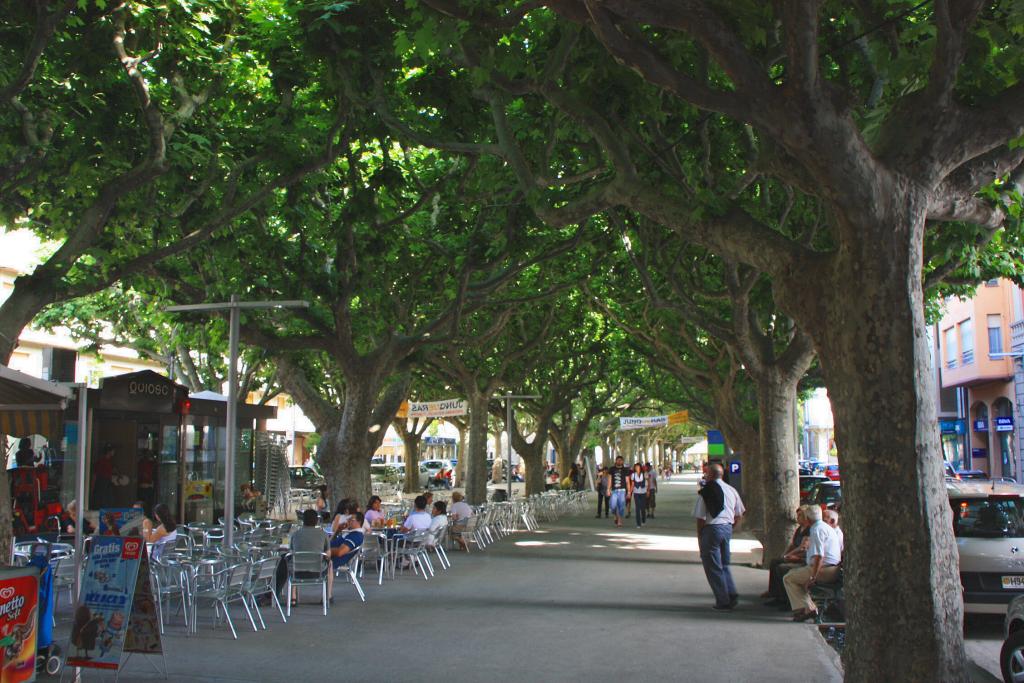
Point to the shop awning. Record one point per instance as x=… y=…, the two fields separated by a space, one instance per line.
x=29 y=405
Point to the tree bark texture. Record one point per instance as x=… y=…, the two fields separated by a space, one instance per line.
x=477 y=473
x=411 y=444
x=778 y=476
x=345 y=451
x=866 y=317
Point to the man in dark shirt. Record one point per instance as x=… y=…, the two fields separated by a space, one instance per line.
x=618 y=489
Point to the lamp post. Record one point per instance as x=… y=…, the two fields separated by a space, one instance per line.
x=233 y=307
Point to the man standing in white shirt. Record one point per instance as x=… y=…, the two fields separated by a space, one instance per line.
x=823 y=557
x=718 y=510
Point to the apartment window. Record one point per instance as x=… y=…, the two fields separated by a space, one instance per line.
x=994 y=282
x=1018 y=303
x=995 y=333
x=967 y=342
x=950 y=335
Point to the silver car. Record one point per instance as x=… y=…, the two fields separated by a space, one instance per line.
x=1011 y=657
x=988 y=522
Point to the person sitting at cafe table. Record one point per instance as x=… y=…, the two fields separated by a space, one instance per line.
x=342 y=512
x=345 y=546
x=418 y=518
x=460 y=514
x=166 y=532
x=309 y=538
x=438 y=521
x=69 y=520
x=373 y=513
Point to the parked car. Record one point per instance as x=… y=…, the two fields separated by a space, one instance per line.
x=424 y=475
x=988 y=522
x=436 y=465
x=1011 y=656
x=387 y=474
x=828 y=494
x=304 y=478
x=951 y=473
x=972 y=474
x=807 y=485
x=832 y=472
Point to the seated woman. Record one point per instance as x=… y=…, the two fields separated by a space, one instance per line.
x=438 y=522
x=321 y=502
x=374 y=516
x=342 y=512
x=166 y=532
x=791 y=559
x=69 y=520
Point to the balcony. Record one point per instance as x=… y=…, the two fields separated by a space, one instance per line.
x=1017 y=336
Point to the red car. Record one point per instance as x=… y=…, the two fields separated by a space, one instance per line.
x=832 y=472
x=807 y=484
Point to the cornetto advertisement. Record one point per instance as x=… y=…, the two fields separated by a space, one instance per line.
x=19 y=598
x=104 y=606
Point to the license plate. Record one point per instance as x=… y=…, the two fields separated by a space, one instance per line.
x=1013 y=582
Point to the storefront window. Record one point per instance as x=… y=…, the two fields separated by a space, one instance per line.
x=952 y=449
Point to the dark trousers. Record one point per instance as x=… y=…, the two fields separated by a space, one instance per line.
x=602 y=500
x=777 y=569
x=714 y=555
x=640 y=504
x=650 y=503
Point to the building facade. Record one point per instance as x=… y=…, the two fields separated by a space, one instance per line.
x=975 y=359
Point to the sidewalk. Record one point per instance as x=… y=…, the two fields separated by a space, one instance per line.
x=576 y=601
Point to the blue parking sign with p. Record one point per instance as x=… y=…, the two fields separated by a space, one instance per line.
x=734 y=467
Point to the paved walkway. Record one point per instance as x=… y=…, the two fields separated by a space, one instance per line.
x=577 y=601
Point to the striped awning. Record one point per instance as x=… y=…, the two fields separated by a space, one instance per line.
x=20 y=423
x=29 y=405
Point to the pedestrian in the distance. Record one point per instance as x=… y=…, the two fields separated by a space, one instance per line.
x=652 y=489
x=718 y=512
x=602 y=491
x=618 y=489
x=638 y=485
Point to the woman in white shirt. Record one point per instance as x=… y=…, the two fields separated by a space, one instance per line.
x=638 y=481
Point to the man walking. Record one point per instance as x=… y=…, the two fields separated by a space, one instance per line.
x=718 y=511
x=618 y=488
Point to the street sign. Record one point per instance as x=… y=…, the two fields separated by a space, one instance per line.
x=1004 y=424
x=679 y=418
x=734 y=467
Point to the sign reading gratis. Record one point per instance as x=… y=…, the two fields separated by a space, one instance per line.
x=104 y=605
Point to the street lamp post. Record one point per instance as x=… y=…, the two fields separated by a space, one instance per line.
x=233 y=307
x=508 y=398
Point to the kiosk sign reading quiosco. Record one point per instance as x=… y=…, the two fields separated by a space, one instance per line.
x=148 y=389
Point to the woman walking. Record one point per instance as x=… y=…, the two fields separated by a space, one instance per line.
x=639 y=481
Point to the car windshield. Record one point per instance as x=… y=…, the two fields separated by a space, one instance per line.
x=809 y=484
x=988 y=518
x=828 y=494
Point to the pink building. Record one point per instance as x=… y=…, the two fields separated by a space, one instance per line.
x=974 y=357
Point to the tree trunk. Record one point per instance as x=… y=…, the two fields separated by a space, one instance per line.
x=30 y=295
x=7 y=517
x=866 y=317
x=411 y=444
x=533 y=458
x=460 y=463
x=777 y=471
x=346 y=469
x=563 y=458
x=345 y=451
x=477 y=474
x=742 y=437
